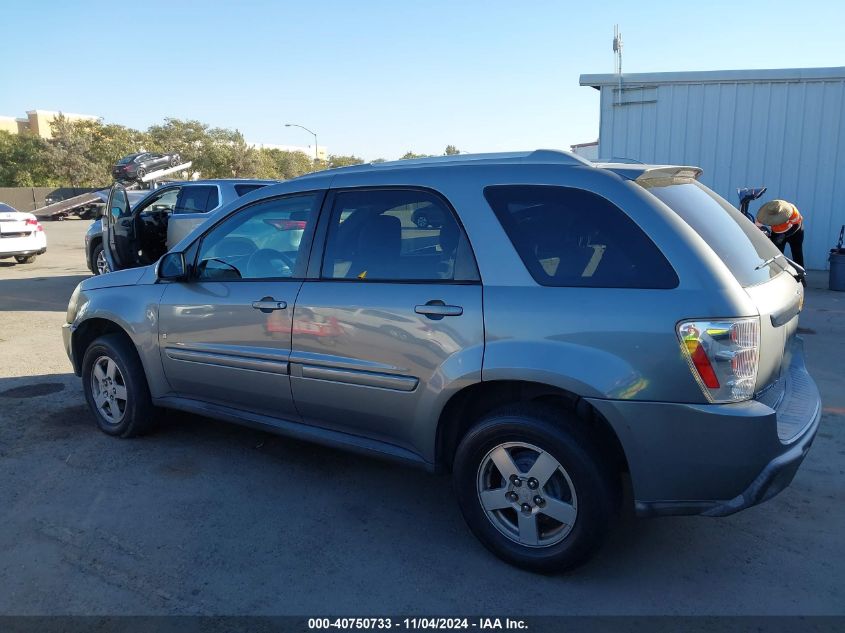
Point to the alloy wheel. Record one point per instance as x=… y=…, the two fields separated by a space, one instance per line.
x=526 y=494
x=108 y=389
x=102 y=263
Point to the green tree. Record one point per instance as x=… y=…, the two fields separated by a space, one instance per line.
x=69 y=154
x=188 y=138
x=225 y=154
x=451 y=150
x=410 y=154
x=289 y=164
x=23 y=161
x=336 y=160
x=111 y=142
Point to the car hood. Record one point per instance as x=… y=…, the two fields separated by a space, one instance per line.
x=128 y=277
x=96 y=227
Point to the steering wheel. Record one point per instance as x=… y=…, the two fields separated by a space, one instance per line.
x=268 y=262
x=235 y=246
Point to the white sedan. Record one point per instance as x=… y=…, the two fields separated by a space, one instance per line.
x=21 y=235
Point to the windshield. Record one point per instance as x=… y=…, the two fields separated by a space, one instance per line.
x=738 y=242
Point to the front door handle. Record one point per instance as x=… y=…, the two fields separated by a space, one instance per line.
x=437 y=309
x=268 y=304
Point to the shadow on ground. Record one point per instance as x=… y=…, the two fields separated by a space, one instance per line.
x=39 y=293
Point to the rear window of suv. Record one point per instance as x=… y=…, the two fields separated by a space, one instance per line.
x=733 y=237
x=573 y=237
x=197 y=199
x=242 y=190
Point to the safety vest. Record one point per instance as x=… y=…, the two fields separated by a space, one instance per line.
x=794 y=220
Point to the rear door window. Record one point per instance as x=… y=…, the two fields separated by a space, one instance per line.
x=242 y=190
x=573 y=237
x=733 y=237
x=197 y=199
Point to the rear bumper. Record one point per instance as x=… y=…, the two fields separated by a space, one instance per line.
x=774 y=478
x=23 y=253
x=715 y=460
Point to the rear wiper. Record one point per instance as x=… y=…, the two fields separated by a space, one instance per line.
x=768 y=261
x=800 y=271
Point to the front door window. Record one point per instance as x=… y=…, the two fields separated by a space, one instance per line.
x=263 y=241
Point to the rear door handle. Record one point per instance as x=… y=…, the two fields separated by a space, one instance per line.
x=437 y=310
x=269 y=304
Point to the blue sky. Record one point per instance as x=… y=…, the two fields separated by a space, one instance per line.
x=379 y=78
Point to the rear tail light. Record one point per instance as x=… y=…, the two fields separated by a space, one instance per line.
x=286 y=225
x=723 y=355
x=35 y=223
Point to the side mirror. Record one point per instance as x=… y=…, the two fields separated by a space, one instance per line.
x=172 y=267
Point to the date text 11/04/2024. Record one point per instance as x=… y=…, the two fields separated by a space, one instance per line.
x=417 y=623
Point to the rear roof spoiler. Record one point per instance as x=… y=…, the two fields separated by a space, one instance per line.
x=644 y=173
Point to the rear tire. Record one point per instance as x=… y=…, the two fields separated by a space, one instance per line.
x=174 y=161
x=116 y=387
x=546 y=523
x=25 y=259
x=141 y=173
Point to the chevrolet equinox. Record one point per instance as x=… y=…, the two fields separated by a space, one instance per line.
x=564 y=330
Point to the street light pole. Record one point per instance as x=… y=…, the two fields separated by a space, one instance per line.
x=314 y=134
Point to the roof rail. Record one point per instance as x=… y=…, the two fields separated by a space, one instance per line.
x=548 y=156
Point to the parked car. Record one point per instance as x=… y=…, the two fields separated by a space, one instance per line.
x=165 y=215
x=427 y=216
x=21 y=235
x=136 y=166
x=569 y=327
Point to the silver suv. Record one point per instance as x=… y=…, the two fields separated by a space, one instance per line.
x=566 y=329
x=156 y=220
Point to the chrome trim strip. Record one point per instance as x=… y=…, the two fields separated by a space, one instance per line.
x=363 y=378
x=224 y=360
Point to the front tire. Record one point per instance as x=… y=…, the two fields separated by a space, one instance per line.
x=25 y=259
x=99 y=263
x=534 y=489
x=116 y=388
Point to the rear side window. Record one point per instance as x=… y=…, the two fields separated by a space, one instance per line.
x=733 y=237
x=396 y=235
x=572 y=237
x=242 y=190
x=197 y=199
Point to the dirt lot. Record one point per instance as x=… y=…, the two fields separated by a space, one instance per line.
x=207 y=518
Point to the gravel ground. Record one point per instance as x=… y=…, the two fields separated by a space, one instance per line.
x=208 y=518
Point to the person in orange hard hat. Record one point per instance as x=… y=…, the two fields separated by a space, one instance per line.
x=787 y=227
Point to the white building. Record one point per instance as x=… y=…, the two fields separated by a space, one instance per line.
x=38 y=122
x=783 y=129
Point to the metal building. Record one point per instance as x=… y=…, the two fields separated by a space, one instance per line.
x=783 y=129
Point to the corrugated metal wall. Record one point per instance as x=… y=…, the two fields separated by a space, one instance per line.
x=786 y=135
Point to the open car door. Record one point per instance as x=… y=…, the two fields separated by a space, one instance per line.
x=120 y=242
